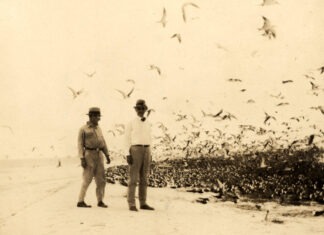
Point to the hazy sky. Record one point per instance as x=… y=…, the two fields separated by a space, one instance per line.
x=48 y=46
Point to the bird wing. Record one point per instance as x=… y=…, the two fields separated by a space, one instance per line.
x=131 y=91
x=163 y=19
x=91 y=74
x=269 y=2
x=79 y=92
x=157 y=69
x=8 y=127
x=149 y=112
x=219 y=113
x=112 y=132
x=266 y=24
x=184 y=10
x=121 y=92
x=120 y=125
x=266 y=119
x=321 y=69
x=73 y=92
x=152 y=66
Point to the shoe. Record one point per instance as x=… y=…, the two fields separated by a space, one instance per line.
x=102 y=204
x=147 y=207
x=133 y=208
x=83 y=204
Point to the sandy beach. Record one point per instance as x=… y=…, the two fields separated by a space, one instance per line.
x=37 y=197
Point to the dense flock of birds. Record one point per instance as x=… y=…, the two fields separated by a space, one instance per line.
x=204 y=158
x=282 y=175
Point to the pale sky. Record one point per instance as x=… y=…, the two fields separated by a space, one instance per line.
x=48 y=46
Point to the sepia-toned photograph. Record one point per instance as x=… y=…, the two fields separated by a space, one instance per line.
x=162 y=117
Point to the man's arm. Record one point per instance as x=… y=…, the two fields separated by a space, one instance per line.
x=106 y=152
x=105 y=148
x=81 y=143
x=128 y=138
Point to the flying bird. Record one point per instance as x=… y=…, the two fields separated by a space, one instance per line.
x=181 y=117
x=217 y=114
x=149 y=111
x=120 y=126
x=254 y=53
x=293 y=143
x=295 y=118
x=250 y=101
x=268 y=117
x=321 y=108
x=178 y=36
x=228 y=116
x=269 y=2
x=310 y=77
x=90 y=75
x=212 y=115
x=162 y=126
x=219 y=46
x=75 y=93
x=112 y=132
x=154 y=67
x=311 y=139
x=120 y=132
x=234 y=80
x=283 y=103
x=287 y=81
x=163 y=18
x=242 y=90
x=268 y=28
x=184 y=16
x=131 y=81
x=279 y=96
x=125 y=96
x=314 y=86
x=8 y=127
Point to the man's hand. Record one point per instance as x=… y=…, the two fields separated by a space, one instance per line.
x=83 y=163
x=129 y=159
x=107 y=159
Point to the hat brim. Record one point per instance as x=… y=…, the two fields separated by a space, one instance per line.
x=140 y=106
x=94 y=114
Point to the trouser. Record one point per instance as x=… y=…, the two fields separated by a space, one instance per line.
x=138 y=172
x=95 y=168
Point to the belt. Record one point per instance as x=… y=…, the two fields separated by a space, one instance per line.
x=93 y=149
x=141 y=145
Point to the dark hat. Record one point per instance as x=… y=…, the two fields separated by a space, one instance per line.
x=140 y=103
x=94 y=110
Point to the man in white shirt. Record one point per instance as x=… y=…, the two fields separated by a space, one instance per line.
x=138 y=141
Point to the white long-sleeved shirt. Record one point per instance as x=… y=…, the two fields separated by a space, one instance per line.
x=137 y=132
